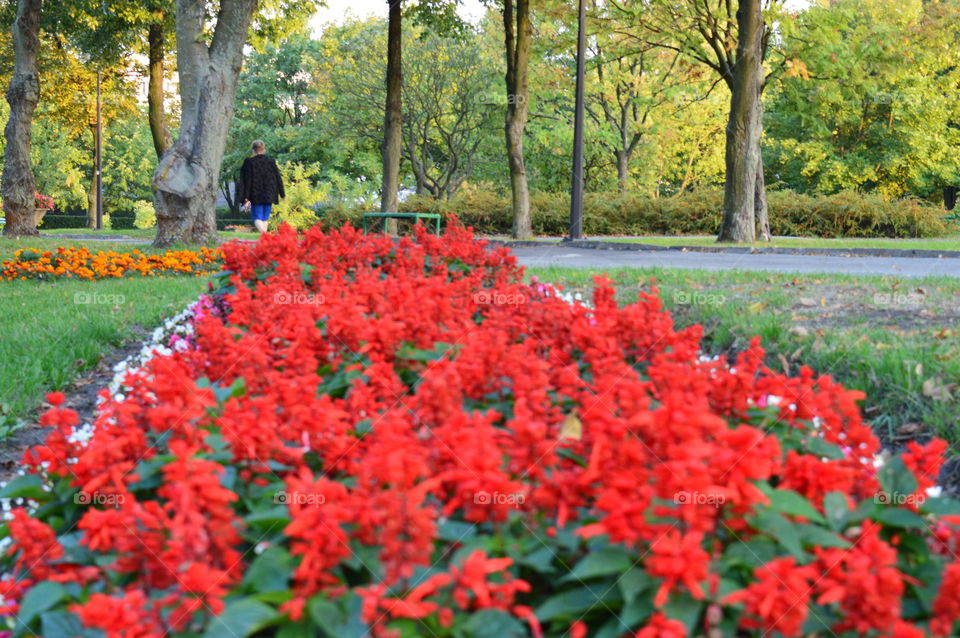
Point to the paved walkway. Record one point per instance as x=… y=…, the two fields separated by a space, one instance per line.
x=567 y=257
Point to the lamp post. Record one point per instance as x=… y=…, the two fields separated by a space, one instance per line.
x=576 y=188
x=98 y=160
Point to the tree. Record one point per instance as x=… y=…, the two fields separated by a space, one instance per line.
x=734 y=44
x=393 y=113
x=23 y=94
x=869 y=101
x=188 y=173
x=447 y=110
x=518 y=35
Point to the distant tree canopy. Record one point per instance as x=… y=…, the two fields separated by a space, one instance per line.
x=860 y=95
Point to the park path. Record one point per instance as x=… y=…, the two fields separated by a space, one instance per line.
x=568 y=257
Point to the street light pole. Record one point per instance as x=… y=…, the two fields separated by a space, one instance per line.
x=576 y=189
x=99 y=160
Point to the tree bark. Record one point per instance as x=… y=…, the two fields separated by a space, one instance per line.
x=743 y=128
x=187 y=176
x=518 y=33
x=760 y=193
x=949 y=197
x=158 y=122
x=623 y=170
x=23 y=93
x=393 y=117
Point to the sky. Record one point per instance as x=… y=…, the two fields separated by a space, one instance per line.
x=337 y=10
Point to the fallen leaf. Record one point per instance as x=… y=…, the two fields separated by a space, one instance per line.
x=799 y=331
x=806 y=301
x=936 y=390
x=571 y=428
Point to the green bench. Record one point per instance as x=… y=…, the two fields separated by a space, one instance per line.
x=434 y=217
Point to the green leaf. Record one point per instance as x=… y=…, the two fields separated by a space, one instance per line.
x=493 y=623
x=332 y=620
x=60 y=624
x=239 y=619
x=275 y=517
x=897 y=480
x=26 y=486
x=818 y=447
x=38 y=599
x=789 y=502
x=835 y=508
x=684 y=608
x=455 y=531
x=815 y=535
x=541 y=560
x=899 y=517
x=270 y=571
x=604 y=561
x=633 y=583
x=942 y=505
x=573 y=602
x=781 y=530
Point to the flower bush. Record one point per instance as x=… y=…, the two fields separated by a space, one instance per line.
x=401 y=438
x=42 y=201
x=80 y=263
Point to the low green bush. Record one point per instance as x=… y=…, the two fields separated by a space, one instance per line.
x=846 y=214
x=123 y=220
x=51 y=222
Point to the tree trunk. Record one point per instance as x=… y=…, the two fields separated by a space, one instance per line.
x=949 y=197
x=760 y=204
x=760 y=193
x=623 y=170
x=393 y=117
x=187 y=176
x=518 y=32
x=158 y=123
x=743 y=128
x=23 y=94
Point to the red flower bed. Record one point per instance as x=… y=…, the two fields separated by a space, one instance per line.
x=403 y=439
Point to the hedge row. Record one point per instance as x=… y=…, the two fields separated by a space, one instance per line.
x=846 y=214
x=51 y=222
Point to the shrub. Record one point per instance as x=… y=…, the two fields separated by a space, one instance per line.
x=399 y=438
x=121 y=220
x=144 y=214
x=298 y=208
x=845 y=214
x=51 y=222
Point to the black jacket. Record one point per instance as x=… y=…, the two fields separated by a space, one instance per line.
x=260 y=181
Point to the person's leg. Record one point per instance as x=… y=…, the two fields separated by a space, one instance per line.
x=260 y=214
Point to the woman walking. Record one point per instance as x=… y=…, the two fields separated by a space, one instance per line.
x=260 y=185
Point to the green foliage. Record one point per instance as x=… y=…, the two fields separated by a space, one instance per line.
x=298 y=208
x=870 y=100
x=845 y=214
x=145 y=216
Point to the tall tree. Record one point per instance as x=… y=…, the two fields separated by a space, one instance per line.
x=743 y=191
x=393 y=114
x=156 y=45
x=518 y=36
x=23 y=94
x=187 y=175
x=733 y=42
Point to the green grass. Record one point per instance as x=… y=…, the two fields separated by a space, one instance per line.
x=54 y=331
x=136 y=233
x=895 y=339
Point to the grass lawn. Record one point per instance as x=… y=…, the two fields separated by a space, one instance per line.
x=54 y=331
x=897 y=340
x=136 y=233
